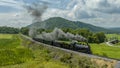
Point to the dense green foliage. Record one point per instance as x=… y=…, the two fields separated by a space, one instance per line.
x=98 y=37
x=59 y=22
x=9 y=30
x=105 y=50
x=24 y=30
x=11 y=52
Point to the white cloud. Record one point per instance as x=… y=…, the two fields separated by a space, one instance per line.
x=97 y=12
x=12 y=3
x=15 y=19
x=104 y=13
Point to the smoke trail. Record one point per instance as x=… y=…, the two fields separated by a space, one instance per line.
x=35 y=10
x=58 y=33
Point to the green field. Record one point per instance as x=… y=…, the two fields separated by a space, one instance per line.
x=11 y=52
x=113 y=35
x=5 y=36
x=16 y=52
x=106 y=51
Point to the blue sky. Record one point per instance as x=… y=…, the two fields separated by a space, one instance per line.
x=104 y=13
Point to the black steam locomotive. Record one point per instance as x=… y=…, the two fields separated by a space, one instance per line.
x=73 y=46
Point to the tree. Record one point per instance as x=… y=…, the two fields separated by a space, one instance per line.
x=84 y=32
x=100 y=36
x=24 y=30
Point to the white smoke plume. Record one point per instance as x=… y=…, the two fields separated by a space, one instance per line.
x=58 y=33
x=35 y=10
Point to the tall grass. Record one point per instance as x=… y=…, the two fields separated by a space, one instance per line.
x=11 y=52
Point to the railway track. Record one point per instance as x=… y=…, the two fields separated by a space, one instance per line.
x=75 y=52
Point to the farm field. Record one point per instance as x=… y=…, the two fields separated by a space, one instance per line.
x=113 y=35
x=106 y=51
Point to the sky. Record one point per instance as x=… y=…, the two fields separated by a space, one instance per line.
x=103 y=13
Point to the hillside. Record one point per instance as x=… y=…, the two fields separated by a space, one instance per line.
x=59 y=22
x=115 y=29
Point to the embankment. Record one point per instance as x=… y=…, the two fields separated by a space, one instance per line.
x=72 y=58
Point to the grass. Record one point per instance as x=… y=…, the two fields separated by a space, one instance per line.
x=117 y=44
x=106 y=51
x=11 y=51
x=113 y=35
x=16 y=52
x=5 y=36
x=109 y=36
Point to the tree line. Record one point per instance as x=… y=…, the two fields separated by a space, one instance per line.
x=93 y=37
x=8 y=30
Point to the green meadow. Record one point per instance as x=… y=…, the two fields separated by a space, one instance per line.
x=112 y=36
x=11 y=52
x=16 y=52
x=106 y=51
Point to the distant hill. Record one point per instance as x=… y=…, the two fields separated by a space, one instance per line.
x=59 y=22
x=115 y=29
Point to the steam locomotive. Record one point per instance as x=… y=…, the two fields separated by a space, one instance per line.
x=73 y=46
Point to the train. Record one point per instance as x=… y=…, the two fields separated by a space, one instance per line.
x=72 y=46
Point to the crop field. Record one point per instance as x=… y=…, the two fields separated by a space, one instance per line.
x=106 y=51
x=112 y=36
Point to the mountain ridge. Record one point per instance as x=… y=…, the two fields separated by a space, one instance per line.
x=59 y=22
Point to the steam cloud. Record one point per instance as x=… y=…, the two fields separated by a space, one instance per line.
x=58 y=33
x=36 y=11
